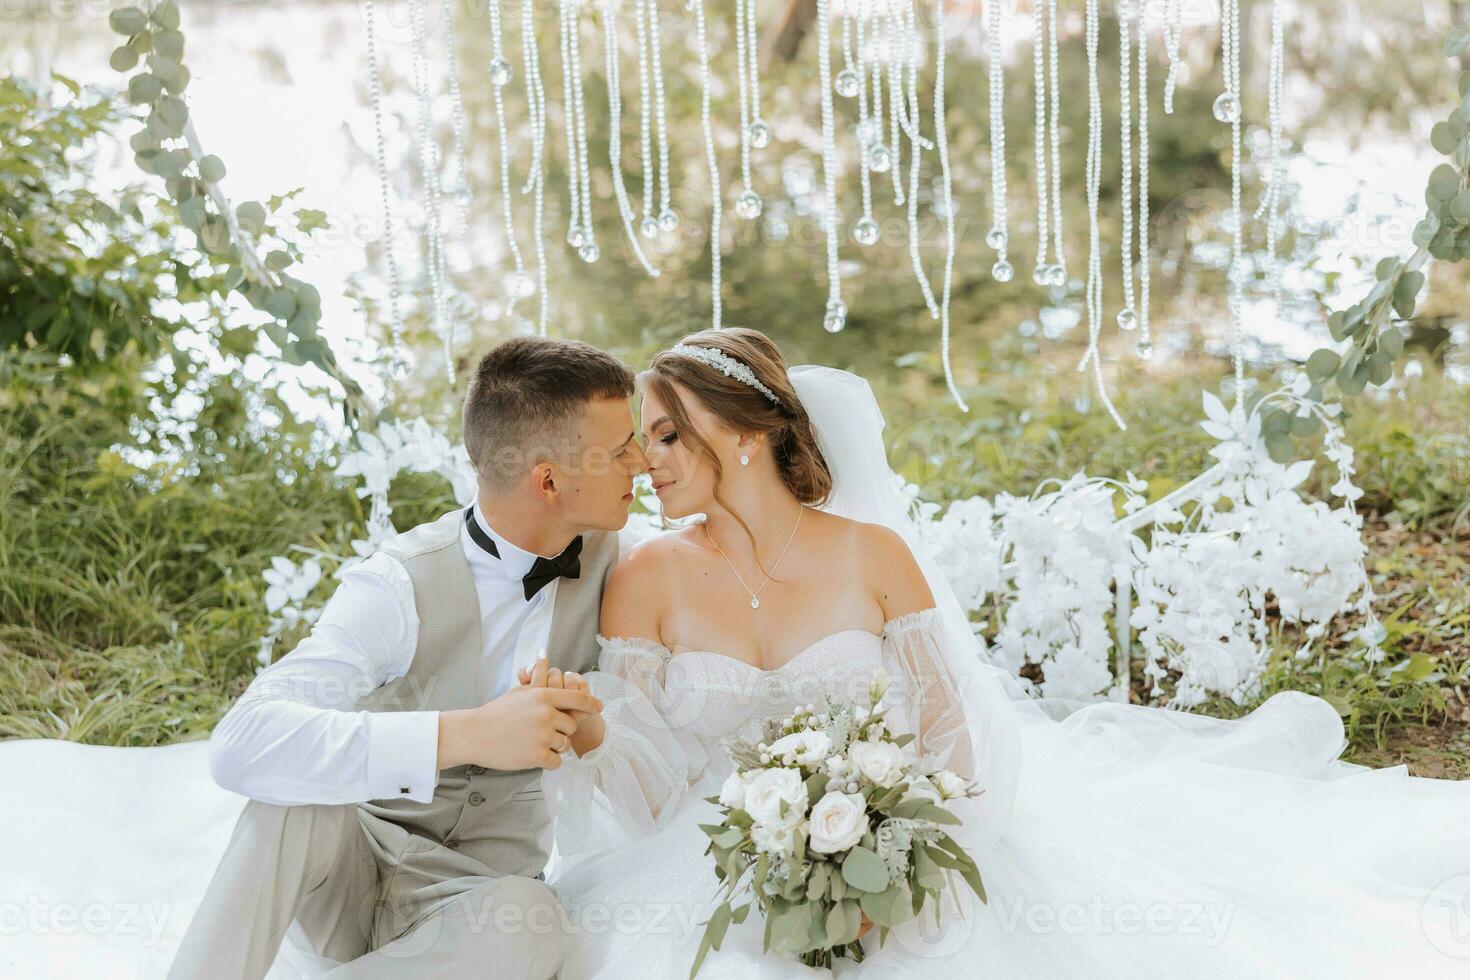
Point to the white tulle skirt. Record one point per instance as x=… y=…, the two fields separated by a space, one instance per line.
x=1144 y=843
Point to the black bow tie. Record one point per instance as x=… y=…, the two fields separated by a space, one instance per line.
x=568 y=564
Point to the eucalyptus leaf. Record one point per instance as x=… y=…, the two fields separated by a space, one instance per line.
x=1391 y=342
x=1323 y=363
x=1380 y=368
x=1407 y=292
x=1278 y=446
x=251 y=216
x=170 y=44
x=124 y=58
x=864 y=870
x=1444 y=182
x=127 y=20
x=192 y=213
x=212 y=168
x=144 y=88
x=1305 y=426
x=166 y=15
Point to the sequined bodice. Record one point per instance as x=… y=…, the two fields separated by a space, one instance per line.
x=718 y=696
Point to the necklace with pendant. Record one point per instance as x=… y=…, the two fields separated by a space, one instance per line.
x=755 y=602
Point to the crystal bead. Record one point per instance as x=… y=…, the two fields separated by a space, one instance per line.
x=865 y=232
x=996 y=238
x=589 y=252
x=1041 y=275
x=1127 y=319
x=836 y=317
x=1144 y=349
x=1226 y=107
x=668 y=220
x=749 y=205
x=846 y=83
x=500 y=72
x=1056 y=276
x=759 y=134
x=868 y=132
x=649 y=227
x=755 y=603
x=575 y=238
x=1002 y=271
x=879 y=159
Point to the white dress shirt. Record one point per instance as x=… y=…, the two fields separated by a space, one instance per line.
x=293 y=737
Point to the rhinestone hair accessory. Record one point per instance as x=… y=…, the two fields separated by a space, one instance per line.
x=726 y=365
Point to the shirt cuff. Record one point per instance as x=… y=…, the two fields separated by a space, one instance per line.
x=403 y=754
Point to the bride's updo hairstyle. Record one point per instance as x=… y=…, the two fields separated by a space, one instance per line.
x=742 y=408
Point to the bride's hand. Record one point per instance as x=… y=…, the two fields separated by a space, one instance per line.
x=590 y=726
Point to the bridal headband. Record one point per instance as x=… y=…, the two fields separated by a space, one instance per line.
x=726 y=365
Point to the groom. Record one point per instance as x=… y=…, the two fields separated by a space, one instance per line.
x=396 y=824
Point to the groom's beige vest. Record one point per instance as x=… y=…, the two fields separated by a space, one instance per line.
x=479 y=817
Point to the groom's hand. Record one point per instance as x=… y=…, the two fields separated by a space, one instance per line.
x=590 y=726
x=524 y=728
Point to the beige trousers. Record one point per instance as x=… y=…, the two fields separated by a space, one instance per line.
x=317 y=865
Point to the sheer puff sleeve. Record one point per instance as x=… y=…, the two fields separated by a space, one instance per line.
x=629 y=785
x=960 y=711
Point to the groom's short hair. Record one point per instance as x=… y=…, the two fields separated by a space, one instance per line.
x=525 y=397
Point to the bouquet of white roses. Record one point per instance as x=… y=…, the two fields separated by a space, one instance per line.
x=829 y=822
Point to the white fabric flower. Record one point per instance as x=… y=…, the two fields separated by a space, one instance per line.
x=802 y=748
x=880 y=762
x=770 y=788
x=839 y=821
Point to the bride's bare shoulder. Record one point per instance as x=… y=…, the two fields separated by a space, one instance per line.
x=640 y=584
x=887 y=565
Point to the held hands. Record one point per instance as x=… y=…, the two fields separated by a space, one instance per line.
x=590 y=728
x=526 y=727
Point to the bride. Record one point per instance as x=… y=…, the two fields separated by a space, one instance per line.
x=1114 y=840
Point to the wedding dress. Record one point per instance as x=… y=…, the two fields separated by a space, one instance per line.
x=1114 y=840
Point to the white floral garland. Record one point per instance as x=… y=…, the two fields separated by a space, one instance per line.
x=1052 y=564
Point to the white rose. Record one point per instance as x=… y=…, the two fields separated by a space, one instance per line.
x=732 y=794
x=802 y=748
x=839 y=821
x=950 y=785
x=768 y=789
x=880 y=762
x=774 y=840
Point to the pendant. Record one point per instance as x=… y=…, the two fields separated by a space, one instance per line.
x=755 y=603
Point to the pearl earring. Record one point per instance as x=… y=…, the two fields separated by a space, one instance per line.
x=744 y=460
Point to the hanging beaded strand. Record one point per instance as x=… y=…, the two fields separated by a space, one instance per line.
x=1127 y=13
x=894 y=148
x=668 y=219
x=500 y=75
x=429 y=164
x=398 y=363
x=1173 y=34
x=575 y=238
x=615 y=134
x=1144 y=348
x=649 y=224
x=1274 y=177
x=588 y=250
x=917 y=144
x=701 y=43
x=462 y=191
x=748 y=204
x=835 y=317
x=997 y=237
x=1094 y=296
x=865 y=231
x=1227 y=109
x=536 y=174
x=1047 y=141
x=941 y=142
